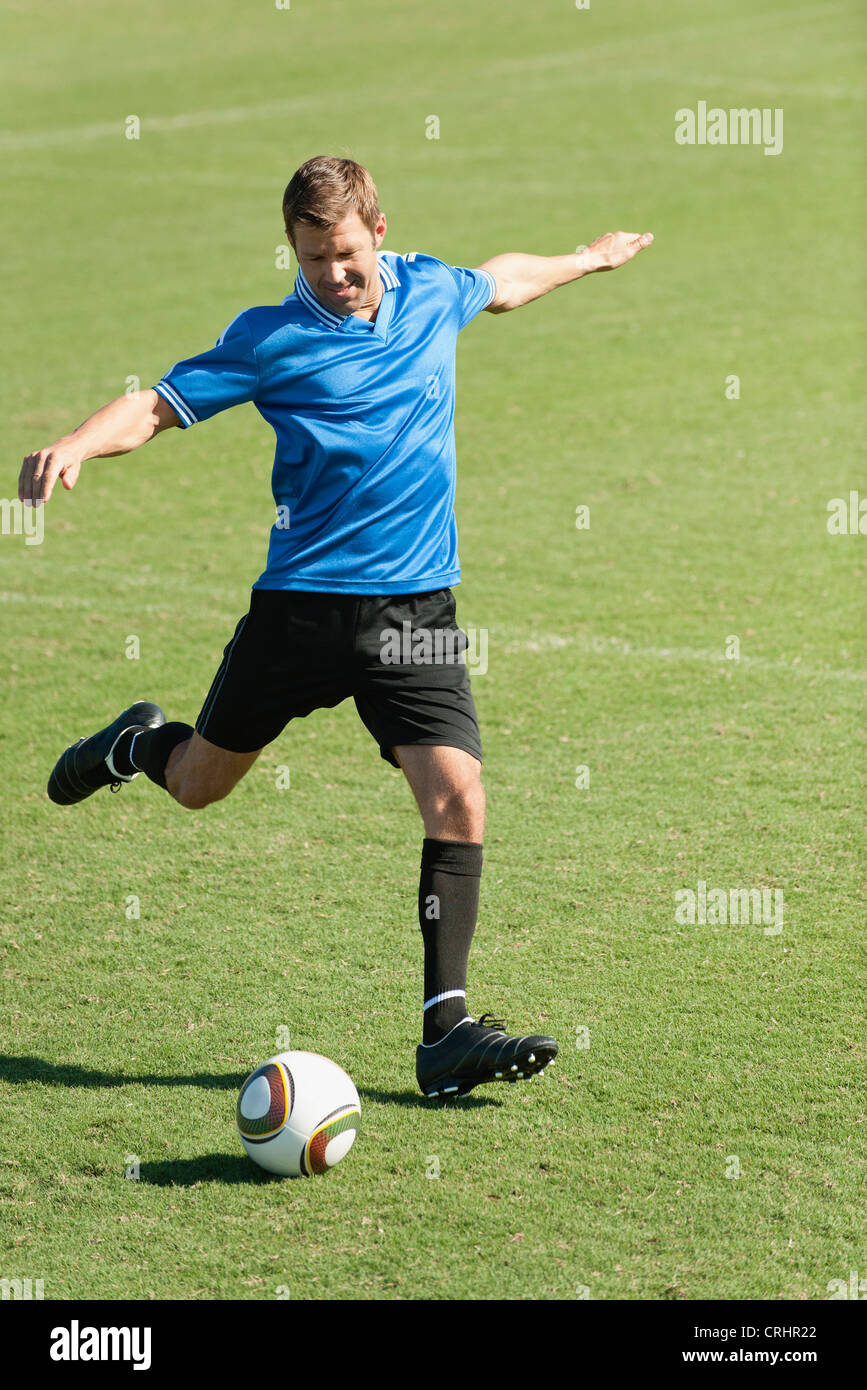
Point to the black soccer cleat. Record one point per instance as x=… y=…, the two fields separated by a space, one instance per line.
x=87 y=765
x=474 y=1052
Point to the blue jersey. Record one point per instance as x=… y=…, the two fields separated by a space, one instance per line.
x=364 y=469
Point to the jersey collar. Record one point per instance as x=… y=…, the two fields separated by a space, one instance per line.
x=326 y=316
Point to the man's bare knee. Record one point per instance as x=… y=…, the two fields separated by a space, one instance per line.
x=196 y=798
x=199 y=773
x=461 y=811
x=463 y=802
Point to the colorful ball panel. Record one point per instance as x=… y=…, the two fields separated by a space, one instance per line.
x=265 y=1102
x=332 y=1140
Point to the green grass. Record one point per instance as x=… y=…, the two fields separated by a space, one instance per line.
x=131 y=1036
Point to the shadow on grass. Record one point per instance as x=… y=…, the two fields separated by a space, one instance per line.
x=413 y=1100
x=220 y=1168
x=24 y=1069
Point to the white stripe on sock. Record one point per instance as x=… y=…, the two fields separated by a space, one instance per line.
x=447 y=994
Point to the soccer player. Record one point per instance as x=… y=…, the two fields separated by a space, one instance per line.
x=355 y=372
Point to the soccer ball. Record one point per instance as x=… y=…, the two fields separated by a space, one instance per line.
x=298 y=1114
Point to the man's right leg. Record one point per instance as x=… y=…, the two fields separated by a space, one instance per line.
x=292 y=653
x=192 y=769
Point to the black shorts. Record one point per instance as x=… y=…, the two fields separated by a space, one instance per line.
x=398 y=655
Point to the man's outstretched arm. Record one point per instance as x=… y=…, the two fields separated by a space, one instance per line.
x=521 y=278
x=117 y=428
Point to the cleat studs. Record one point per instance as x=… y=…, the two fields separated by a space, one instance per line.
x=498 y=1075
x=514 y=1066
x=448 y=1090
x=532 y=1057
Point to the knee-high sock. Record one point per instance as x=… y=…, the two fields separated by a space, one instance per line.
x=448 y=905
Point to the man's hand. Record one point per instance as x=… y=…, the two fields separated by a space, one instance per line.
x=40 y=471
x=117 y=428
x=614 y=248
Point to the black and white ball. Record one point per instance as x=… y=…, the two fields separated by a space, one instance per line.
x=298 y=1114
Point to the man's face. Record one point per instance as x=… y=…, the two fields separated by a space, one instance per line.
x=340 y=265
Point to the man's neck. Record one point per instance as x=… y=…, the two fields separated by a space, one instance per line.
x=369 y=311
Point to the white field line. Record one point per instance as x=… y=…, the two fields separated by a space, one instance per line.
x=643 y=41
x=113 y=130
x=545 y=642
x=73 y=135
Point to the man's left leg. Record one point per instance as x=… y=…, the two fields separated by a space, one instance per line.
x=456 y=1052
x=447 y=785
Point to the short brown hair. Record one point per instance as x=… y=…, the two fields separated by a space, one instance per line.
x=325 y=190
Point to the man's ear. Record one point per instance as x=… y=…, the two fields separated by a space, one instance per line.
x=380 y=230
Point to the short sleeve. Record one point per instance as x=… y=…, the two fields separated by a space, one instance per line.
x=227 y=375
x=476 y=288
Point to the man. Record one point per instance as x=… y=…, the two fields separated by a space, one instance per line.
x=355 y=373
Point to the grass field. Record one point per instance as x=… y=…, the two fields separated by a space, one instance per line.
x=126 y=1037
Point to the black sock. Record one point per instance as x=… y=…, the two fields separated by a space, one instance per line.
x=152 y=748
x=448 y=904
